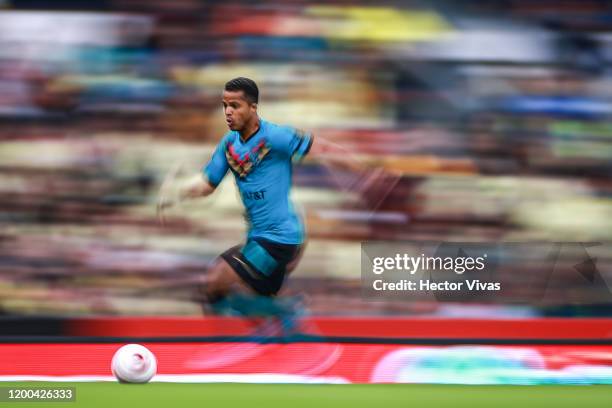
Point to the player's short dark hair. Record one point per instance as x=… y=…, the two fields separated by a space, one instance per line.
x=246 y=85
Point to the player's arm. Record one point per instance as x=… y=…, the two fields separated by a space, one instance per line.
x=197 y=187
x=334 y=155
x=369 y=174
x=201 y=185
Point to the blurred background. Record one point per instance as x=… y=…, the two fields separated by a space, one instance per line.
x=497 y=115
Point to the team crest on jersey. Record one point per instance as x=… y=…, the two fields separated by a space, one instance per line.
x=245 y=164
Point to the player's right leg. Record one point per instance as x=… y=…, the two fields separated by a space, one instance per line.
x=220 y=281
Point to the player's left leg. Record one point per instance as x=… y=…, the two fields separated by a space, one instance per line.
x=246 y=278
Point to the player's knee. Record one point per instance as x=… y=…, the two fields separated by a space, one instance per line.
x=209 y=292
x=214 y=287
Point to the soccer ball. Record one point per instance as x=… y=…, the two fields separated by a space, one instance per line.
x=134 y=363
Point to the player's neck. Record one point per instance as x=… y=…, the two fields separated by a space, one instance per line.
x=250 y=129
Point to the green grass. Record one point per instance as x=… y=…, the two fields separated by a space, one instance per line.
x=114 y=395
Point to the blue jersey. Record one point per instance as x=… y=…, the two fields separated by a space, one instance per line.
x=262 y=167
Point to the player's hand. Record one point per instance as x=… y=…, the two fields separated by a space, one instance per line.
x=168 y=194
x=163 y=203
x=370 y=179
x=375 y=185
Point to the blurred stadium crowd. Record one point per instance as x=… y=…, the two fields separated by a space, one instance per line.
x=497 y=114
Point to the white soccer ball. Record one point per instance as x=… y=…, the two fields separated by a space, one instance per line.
x=134 y=363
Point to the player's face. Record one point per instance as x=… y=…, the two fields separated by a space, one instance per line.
x=238 y=111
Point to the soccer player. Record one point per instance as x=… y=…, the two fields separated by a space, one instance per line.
x=260 y=155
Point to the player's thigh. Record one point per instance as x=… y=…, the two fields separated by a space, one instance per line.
x=222 y=279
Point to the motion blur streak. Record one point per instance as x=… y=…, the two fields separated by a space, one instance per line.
x=496 y=115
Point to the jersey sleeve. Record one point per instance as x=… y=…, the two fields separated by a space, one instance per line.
x=297 y=143
x=217 y=167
